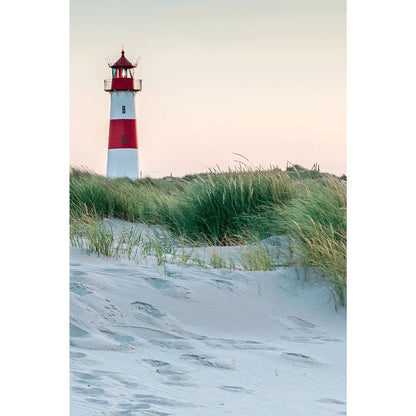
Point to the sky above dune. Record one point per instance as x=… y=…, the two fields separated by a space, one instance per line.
x=264 y=79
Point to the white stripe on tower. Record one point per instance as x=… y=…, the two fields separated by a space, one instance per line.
x=122 y=100
x=122 y=163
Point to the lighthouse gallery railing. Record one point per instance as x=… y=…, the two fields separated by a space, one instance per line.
x=131 y=84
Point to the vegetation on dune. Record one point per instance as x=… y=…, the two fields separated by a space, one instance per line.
x=318 y=220
x=221 y=208
x=98 y=196
x=216 y=208
x=257 y=257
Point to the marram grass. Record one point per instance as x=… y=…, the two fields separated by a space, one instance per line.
x=215 y=208
x=219 y=208
x=318 y=221
x=257 y=257
x=93 y=236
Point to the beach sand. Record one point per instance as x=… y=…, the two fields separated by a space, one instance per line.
x=184 y=340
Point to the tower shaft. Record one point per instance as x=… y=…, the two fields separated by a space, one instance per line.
x=122 y=156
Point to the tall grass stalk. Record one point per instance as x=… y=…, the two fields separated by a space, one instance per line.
x=94 y=237
x=217 y=261
x=257 y=257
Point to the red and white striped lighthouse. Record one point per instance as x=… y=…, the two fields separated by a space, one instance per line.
x=122 y=157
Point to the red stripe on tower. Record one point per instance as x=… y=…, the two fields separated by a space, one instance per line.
x=123 y=134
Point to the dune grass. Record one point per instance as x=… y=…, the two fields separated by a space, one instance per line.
x=218 y=209
x=318 y=221
x=97 y=237
x=92 y=236
x=129 y=200
x=257 y=257
x=215 y=208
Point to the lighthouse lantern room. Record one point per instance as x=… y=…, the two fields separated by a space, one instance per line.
x=122 y=157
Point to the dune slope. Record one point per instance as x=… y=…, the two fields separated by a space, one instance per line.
x=180 y=340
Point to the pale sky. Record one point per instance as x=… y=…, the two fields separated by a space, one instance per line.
x=264 y=78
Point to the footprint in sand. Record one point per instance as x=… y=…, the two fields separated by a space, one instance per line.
x=79 y=289
x=208 y=361
x=236 y=389
x=173 y=374
x=223 y=284
x=148 y=309
x=112 y=309
x=159 y=283
x=301 y=359
x=155 y=363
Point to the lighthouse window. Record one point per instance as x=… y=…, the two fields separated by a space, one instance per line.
x=124 y=138
x=123 y=109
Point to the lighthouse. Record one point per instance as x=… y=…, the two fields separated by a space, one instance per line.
x=122 y=156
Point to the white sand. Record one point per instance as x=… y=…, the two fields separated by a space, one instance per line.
x=180 y=340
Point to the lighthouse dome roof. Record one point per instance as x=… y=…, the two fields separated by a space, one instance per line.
x=122 y=62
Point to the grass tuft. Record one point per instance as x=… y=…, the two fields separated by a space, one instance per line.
x=257 y=257
x=318 y=221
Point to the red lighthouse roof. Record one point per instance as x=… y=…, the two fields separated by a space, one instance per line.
x=122 y=62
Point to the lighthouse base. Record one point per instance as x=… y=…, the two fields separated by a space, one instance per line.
x=122 y=163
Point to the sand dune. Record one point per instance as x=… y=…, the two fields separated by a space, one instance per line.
x=181 y=340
